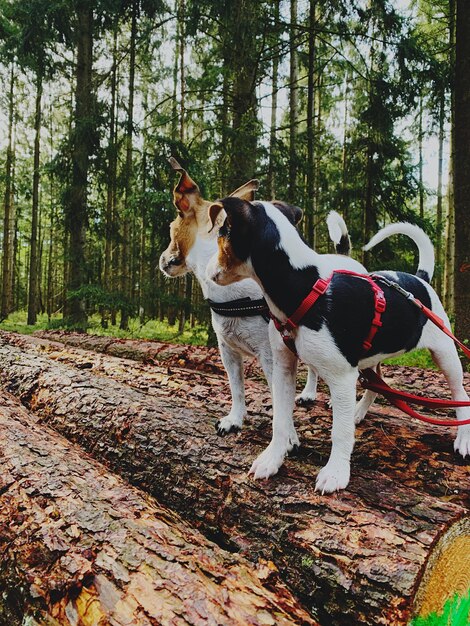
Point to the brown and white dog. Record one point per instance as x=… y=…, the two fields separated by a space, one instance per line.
x=193 y=241
x=256 y=241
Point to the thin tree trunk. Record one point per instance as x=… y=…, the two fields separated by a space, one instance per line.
x=344 y=153
x=7 y=206
x=439 y=259
x=33 y=260
x=420 y=158
x=126 y=244
x=272 y=134
x=293 y=103
x=450 y=223
x=311 y=165
x=110 y=239
x=77 y=205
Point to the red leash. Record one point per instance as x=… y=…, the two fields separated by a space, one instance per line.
x=371 y=380
x=368 y=378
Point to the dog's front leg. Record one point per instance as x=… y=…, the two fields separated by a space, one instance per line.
x=335 y=474
x=233 y=363
x=284 y=434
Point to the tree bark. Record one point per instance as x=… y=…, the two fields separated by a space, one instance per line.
x=33 y=259
x=243 y=29
x=439 y=226
x=293 y=103
x=367 y=555
x=126 y=273
x=450 y=224
x=77 y=204
x=78 y=545
x=311 y=164
x=271 y=186
x=462 y=172
x=7 y=207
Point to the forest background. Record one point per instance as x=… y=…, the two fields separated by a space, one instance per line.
x=331 y=104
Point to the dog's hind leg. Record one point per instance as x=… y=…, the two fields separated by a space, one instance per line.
x=446 y=357
x=284 y=434
x=364 y=404
x=335 y=474
x=233 y=363
x=309 y=392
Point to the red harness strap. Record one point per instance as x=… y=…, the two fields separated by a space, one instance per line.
x=318 y=289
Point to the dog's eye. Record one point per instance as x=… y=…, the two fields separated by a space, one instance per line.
x=224 y=231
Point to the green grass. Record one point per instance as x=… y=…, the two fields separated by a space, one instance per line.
x=161 y=331
x=456 y=612
x=153 y=329
x=416 y=358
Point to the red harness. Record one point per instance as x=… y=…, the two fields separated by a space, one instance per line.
x=368 y=378
x=318 y=289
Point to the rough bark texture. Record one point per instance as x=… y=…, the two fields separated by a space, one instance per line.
x=358 y=556
x=461 y=132
x=79 y=546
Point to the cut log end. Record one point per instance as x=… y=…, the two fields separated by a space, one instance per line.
x=447 y=573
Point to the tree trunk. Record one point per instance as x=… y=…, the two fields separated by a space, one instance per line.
x=76 y=218
x=439 y=226
x=244 y=65
x=78 y=545
x=393 y=545
x=272 y=133
x=420 y=159
x=293 y=103
x=450 y=224
x=7 y=207
x=344 y=152
x=126 y=286
x=33 y=260
x=462 y=171
x=110 y=237
x=311 y=165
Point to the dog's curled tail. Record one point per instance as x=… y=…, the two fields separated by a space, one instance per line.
x=417 y=234
x=338 y=232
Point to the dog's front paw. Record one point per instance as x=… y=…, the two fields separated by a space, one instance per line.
x=462 y=441
x=268 y=462
x=333 y=477
x=306 y=398
x=229 y=424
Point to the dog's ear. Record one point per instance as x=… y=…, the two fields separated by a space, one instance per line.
x=186 y=194
x=246 y=191
x=293 y=213
x=215 y=216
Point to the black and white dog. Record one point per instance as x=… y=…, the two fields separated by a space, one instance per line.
x=257 y=241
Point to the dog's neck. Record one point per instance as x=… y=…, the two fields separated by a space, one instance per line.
x=197 y=259
x=282 y=263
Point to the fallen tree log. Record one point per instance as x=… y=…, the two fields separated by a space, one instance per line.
x=155 y=352
x=79 y=546
x=369 y=555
